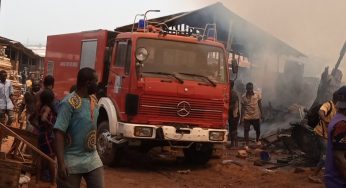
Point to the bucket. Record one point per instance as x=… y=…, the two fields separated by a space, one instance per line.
x=9 y=173
x=265 y=156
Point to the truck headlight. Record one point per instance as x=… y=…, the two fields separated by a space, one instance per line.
x=143 y=131
x=216 y=135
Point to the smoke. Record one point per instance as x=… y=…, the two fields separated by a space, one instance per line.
x=281 y=80
x=287 y=81
x=315 y=27
x=278 y=75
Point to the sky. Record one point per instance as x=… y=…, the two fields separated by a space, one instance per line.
x=315 y=27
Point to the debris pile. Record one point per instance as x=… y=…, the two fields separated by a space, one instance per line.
x=296 y=144
x=294 y=147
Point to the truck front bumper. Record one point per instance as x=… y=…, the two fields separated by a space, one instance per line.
x=171 y=133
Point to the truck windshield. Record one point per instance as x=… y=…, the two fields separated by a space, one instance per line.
x=189 y=61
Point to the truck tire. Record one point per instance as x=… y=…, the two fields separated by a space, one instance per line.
x=198 y=153
x=110 y=153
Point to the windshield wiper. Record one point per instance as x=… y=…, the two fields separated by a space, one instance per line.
x=201 y=76
x=167 y=74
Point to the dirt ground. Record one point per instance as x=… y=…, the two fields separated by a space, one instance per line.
x=154 y=173
x=212 y=175
x=168 y=169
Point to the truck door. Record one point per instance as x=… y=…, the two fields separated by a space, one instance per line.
x=119 y=77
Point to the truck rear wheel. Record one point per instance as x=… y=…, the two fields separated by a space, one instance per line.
x=110 y=153
x=199 y=153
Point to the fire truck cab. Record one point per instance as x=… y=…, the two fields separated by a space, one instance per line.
x=157 y=87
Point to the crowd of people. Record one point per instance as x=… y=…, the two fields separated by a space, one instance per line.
x=65 y=130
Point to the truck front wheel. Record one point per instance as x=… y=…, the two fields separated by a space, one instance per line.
x=109 y=152
x=199 y=153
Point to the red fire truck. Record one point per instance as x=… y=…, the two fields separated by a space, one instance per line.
x=158 y=87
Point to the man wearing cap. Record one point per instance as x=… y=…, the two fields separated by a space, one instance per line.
x=336 y=149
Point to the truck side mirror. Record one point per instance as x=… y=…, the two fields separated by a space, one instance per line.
x=235 y=66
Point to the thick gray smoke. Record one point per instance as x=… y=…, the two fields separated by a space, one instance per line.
x=276 y=71
x=281 y=81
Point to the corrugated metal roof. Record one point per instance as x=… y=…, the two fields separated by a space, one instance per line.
x=246 y=37
x=17 y=45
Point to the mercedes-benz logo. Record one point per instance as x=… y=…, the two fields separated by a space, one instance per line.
x=183 y=109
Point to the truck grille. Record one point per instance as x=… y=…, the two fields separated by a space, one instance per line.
x=181 y=108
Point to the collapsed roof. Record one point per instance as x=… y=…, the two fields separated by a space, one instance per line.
x=236 y=33
x=18 y=46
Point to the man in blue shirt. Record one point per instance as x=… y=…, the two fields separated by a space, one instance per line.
x=75 y=134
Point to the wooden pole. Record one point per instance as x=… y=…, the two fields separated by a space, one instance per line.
x=28 y=144
x=342 y=53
